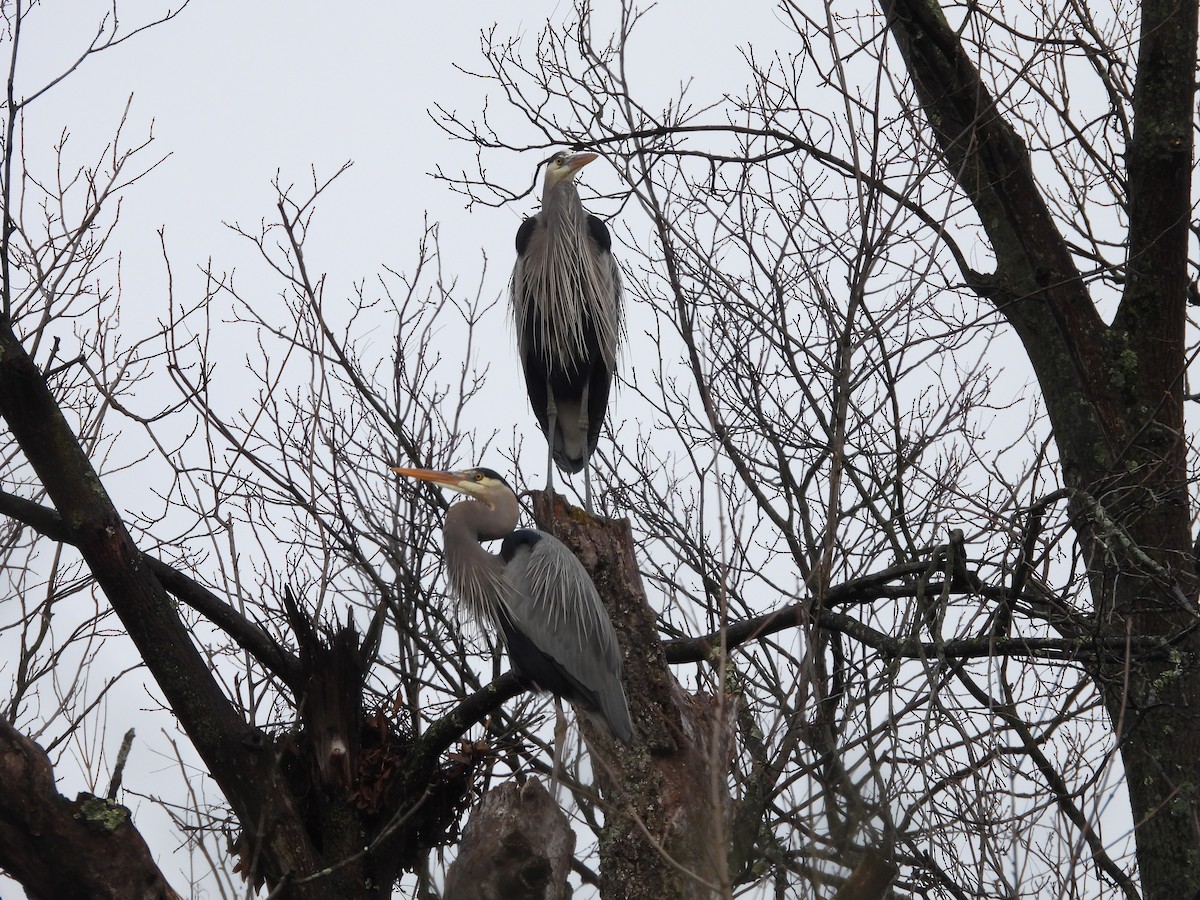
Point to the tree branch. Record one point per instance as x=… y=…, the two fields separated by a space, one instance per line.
x=248 y=636
x=699 y=649
x=1037 y=285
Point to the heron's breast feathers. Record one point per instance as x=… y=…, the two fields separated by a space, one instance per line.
x=567 y=287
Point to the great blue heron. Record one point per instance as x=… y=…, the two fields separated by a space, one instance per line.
x=566 y=300
x=535 y=592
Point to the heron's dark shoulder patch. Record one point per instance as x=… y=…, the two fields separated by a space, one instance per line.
x=522 y=538
x=599 y=232
x=525 y=234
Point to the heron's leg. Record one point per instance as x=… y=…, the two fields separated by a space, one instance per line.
x=587 y=453
x=560 y=740
x=587 y=484
x=551 y=424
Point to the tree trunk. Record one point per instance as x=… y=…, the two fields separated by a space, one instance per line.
x=666 y=832
x=1114 y=393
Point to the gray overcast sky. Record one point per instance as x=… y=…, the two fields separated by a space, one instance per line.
x=238 y=90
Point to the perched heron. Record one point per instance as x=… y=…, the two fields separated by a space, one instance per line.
x=535 y=592
x=566 y=300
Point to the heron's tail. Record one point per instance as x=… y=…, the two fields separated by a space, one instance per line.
x=615 y=713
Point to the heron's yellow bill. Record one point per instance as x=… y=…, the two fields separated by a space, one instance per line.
x=577 y=161
x=450 y=479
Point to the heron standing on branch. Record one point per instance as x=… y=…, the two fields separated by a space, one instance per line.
x=566 y=300
x=535 y=592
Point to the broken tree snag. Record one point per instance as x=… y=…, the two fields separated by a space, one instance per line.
x=333 y=672
x=667 y=804
x=517 y=845
x=59 y=848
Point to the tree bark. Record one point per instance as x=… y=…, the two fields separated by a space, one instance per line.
x=870 y=880
x=517 y=846
x=60 y=849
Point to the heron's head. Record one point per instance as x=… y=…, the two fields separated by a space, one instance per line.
x=485 y=485
x=562 y=166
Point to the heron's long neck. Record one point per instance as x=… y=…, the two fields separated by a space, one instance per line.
x=566 y=228
x=477 y=576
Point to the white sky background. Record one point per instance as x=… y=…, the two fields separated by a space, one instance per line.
x=240 y=90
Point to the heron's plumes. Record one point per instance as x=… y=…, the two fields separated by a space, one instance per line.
x=573 y=605
x=478 y=583
x=566 y=294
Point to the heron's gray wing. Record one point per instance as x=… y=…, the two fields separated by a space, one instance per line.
x=614 y=299
x=553 y=605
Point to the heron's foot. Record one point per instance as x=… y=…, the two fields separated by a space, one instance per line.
x=560 y=740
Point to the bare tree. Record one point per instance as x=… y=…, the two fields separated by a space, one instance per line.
x=891 y=620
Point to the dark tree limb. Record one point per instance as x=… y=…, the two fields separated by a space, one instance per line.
x=441 y=735
x=59 y=849
x=700 y=649
x=991 y=164
x=1036 y=286
x=237 y=754
x=1114 y=394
